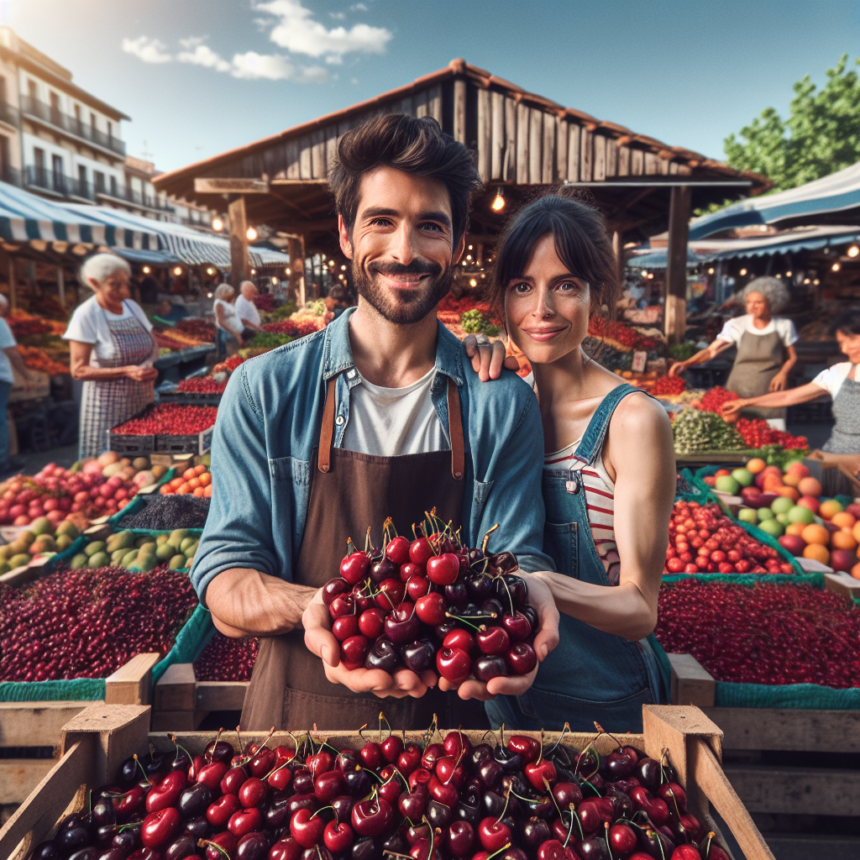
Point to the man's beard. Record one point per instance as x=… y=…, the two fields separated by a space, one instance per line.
x=410 y=307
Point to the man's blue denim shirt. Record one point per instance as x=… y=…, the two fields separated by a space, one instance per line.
x=268 y=426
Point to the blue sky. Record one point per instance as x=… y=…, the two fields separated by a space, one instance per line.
x=202 y=76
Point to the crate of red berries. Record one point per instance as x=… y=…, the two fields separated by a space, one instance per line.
x=321 y=794
x=175 y=428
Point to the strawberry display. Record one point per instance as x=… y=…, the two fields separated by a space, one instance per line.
x=200 y=330
x=757 y=433
x=714 y=398
x=765 y=634
x=443 y=798
x=264 y=302
x=432 y=603
x=702 y=539
x=171 y=419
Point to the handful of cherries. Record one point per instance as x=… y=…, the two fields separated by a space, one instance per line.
x=432 y=603
x=451 y=799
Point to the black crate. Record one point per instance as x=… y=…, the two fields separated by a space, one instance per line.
x=197 y=443
x=123 y=444
x=193 y=398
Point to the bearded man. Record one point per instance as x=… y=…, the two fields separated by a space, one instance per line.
x=372 y=417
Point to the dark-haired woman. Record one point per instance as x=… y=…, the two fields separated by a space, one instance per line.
x=840 y=382
x=609 y=476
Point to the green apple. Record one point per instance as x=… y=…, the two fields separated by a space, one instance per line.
x=748 y=515
x=800 y=514
x=727 y=484
x=782 y=518
x=772 y=527
x=743 y=476
x=764 y=514
x=782 y=505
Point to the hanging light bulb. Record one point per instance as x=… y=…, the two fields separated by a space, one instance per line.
x=253 y=271
x=743 y=272
x=835 y=267
x=217 y=224
x=853 y=251
x=498 y=201
x=473 y=282
x=274 y=280
x=343 y=268
x=287 y=270
x=177 y=271
x=788 y=274
x=331 y=263
x=210 y=271
x=710 y=271
x=251 y=234
x=146 y=270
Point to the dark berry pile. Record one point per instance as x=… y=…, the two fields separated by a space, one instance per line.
x=765 y=634
x=225 y=659
x=166 y=513
x=89 y=623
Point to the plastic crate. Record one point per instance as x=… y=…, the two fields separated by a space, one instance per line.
x=123 y=444
x=197 y=443
x=192 y=398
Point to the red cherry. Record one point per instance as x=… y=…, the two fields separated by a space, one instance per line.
x=160 y=827
x=431 y=609
x=420 y=551
x=397 y=550
x=245 y=821
x=454 y=665
x=443 y=569
x=355 y=567
x=493 y=835
x=307 y=831
x=460 y=639
x=371 y=622
x=338 y=836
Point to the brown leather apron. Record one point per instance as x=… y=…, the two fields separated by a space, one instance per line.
x=349 y=492
x=760 y=357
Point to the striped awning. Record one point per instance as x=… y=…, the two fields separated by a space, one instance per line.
x=26 y=217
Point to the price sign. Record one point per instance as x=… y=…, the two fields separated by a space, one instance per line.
x=640 y=359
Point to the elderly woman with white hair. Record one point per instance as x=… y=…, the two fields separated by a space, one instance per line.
x=227 y=323
x=112 y=351
x=765 y=347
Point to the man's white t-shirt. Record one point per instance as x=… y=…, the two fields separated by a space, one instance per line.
x=735 y=329
x=831 y=379
x=89 y=324
x=392 y=422
x=247 y=310
x=7 y=339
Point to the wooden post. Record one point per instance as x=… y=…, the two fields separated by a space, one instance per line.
x=675 y=322
x=460 y=110
x=13 y=285
x=618 y=248
x=296 y=249
x=239 y=269
x=61 y=285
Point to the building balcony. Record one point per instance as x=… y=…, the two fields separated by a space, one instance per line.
x=45 y=113
x=127 y=195
x=9 y=114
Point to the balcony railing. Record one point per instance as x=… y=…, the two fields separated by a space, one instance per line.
x=9 y=114
x=68 y=186
x=11 y=175
x=55 y=117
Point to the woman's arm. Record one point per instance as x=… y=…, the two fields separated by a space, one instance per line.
x=18 y=363
x=779 y=381
x=777 y=400
x=639 y=449
x=224 y=323
x=81 y=369
x=703 y=355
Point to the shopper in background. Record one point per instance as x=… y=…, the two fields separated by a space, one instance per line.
x=229 y=326
x=248 y=313
x=9 y=358
x=841 y=382
x=765 y=345
x=112 y=350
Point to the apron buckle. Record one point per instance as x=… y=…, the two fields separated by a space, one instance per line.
x=572 y=485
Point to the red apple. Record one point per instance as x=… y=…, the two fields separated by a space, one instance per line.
x=810 y=502
x=843 y=559
x=793 y=543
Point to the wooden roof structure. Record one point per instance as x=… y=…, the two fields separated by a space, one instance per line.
x=520 y=140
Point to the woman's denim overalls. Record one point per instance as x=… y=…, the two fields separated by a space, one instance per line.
x=591 y=675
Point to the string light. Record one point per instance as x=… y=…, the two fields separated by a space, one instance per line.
x=835 y=267
x=287 y=270
x=743 y=272
x=177 y=271
x=274 y=280
x=331 y=263
x=217 y=225
x=778 y=275
x=253 y=271
x=498 y=201
x=816 y=282
x=788 y=274
x=146 y=270
x=251 y=234
x=473 y=282
x=710 y=271
x=210 y=271
x=209 y=295
x=470 y=247
x=853 y=251
x=806 y=280
x=343 y=268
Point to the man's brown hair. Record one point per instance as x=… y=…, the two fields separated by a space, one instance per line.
x=407 y=143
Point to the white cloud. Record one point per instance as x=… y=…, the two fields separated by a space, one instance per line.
x=146 y=49
x=273 y=67
x=338 y=16
x=299 y=33
x=358 y=7
x=199 y=54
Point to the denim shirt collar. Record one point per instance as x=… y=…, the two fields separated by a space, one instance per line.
x=338 y=352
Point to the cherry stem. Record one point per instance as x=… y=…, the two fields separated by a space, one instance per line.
x=604 y=732
x=707 y=851
x=564 y=731
x=142 y=770
x=431 y=729
x=268 y=738
x=215 y=742
x=496 y=853
x=552 y=797
x=179 y=747
x=388 y=725
x=239 y=739
x=321 y=809
x=508 y=591
x=431 y=852
x=507 y=801
x=206 y=843
x=272 y=772
x=487 y=538
x=596 y=792
x=350 y=546
x=414 y=532
x=540 y=754
x=606 y=837
x=367 y=540
x=502 y=734
x=474 y=627
x=125 y=827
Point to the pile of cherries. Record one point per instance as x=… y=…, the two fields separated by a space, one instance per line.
x=450 y=800
x=702 y=539
x=204 y=385
x=432 y=603
x=169 y=419
x=765 y=634
x=89 y=623
x=226 y=659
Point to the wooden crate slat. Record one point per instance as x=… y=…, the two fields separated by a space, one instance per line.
x=692 y=684
x=19 y=776
x=221 y=695
x=131 y=684
x=36 y=724
x=175 y=690
x=178 y=721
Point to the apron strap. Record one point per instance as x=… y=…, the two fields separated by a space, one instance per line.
x=327 y=429
x=455 y=429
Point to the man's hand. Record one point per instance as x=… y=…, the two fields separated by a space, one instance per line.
x=488 y=358
x=540 y=597
x=778 y=383
x=321 y=641
x=731 y=409
x=677 y=368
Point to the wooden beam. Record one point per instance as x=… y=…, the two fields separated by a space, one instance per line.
x=230 y=186
x=535 y=145
x=296 y=249
x=131 y=684
x=176 y=689
x=522 y=160
x=509 y=157
x=460 y=110
x=692 y=684
x=561 y=150
x=550 y=122
x=221 y=695
x=485 y=135
x=294 y=182
x=497 y=123
x=573 y=135
x=18 y=777
x=676 y=270
x=239 y=263
x=587 y=158
x=36 y=724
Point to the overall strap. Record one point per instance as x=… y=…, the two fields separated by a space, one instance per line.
x=455 y=430
x=595 y=434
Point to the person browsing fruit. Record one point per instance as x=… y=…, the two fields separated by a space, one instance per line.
x=608 y=481
x=112 y=351
x=371 y=417
x=839 y=381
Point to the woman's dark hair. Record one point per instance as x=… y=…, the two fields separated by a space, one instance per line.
x=848 y=322
x=581 y=242
x=413 y=145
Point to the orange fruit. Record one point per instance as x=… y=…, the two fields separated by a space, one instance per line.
x=206 y=479
x=844 y=520
x=817 y=552
x=797 y=468
x=829 y=508
x=855 y=571
x=199 y=470
x=194 y=483
x=756 y=465
x=198 y=491
x=772 y=470
x=176 y=482
x=843 y=540
x=816 y=534
x=795 y=529
x=771 y=484
x=183 y=490
x=188 y=473
x=791 y=479
x=788 y=492
x=208 y=492
x=809 y=487
x=856 y=531
x=168 y=490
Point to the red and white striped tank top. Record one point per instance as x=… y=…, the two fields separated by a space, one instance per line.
x=600 y=504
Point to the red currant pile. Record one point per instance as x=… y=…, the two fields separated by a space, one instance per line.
x=88 y=623
x=714 y=398
x=293 y=328
x=432 y=604
x=171 y=419
x=450 y=800
x=765 y=634
x=204 y=385
x=757 y=433
x=666 y=385
x=702 y=539
x=225 y=659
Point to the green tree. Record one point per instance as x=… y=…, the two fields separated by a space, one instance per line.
x=820 y=136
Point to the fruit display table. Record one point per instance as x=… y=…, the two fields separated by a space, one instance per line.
x=98 y=743
x=178 y=365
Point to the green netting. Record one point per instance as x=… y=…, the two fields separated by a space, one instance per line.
x=76 y=690
x=812 y=697
x=190 y=641
x=813 y=578
x=769 y=540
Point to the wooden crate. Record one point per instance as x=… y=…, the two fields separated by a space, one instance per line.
x=99 y=739
x=180 y=702
x=30 y=727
